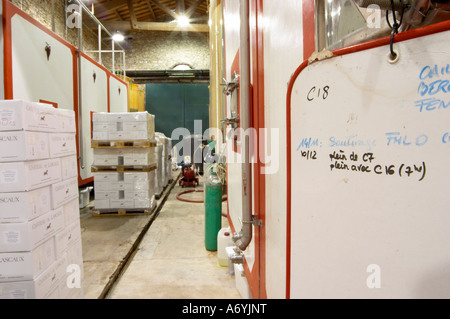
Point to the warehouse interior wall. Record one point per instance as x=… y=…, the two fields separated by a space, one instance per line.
x=161 y=50
x=145 y=50
x=180 y=109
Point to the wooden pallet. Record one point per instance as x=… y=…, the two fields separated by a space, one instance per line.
x=123 y=168
x=123 y=144
x=123 y=212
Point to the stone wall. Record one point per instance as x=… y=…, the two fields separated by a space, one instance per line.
x=144 y=50
x=162 y=50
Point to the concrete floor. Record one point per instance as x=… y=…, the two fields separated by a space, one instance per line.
x=153 y=257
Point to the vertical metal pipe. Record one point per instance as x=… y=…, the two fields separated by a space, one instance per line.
x=53 y=16
x=113 y=58
x=124 y=69
x=80 y=95
x=244 y=238
x=100 y=44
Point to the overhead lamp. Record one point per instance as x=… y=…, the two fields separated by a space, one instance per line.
x=118 y=37
x=183 y=21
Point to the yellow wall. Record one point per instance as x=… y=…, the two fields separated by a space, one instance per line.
x=136 y=96
x=217 y=97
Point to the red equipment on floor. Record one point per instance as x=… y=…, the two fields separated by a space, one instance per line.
x=189 y=177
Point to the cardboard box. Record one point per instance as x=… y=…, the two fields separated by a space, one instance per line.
x=141 y=181
x=100 y=136
x=101 y=186
x=62 y=144
x=102 y=204
x=118 y=186
x=114 y=195
x=107 y=157
x=149 y=203
x=129 y=157
x=29 y=235
x=108 y=177
x=142 y=156
x=71 y=212
x=129 y=117
x=64 y=192
x=26 y=176
x=137 y=195
x=67 y=237
x=20 y=266
x=122 y=204
x=71 y=286
x=69 y=167
x=135 y=126
x=121 y=136
x=45 y=286
x=18 y=115
x=66 y=121
x=123 y=126
x=103 y=127
x=24 y=206
x=101 y=117
x=19 y=146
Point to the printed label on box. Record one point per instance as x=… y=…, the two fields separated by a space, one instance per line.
x=11 y=237
x=7 y=116
x=8 y=176
x=18 y=294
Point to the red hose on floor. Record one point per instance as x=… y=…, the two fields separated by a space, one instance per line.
x=190 y=200
x=224 y=198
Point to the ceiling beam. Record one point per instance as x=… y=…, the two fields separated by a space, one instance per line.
x=192 y=8
x=154 y=26
x=105 y=8
x=132 y=14
x=180 y=6
x=165 y=9
x=152 y=13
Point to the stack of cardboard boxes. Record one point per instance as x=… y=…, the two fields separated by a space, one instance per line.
x=166 y=159
x=40 y=235
x=124 y=162
x=159 y=178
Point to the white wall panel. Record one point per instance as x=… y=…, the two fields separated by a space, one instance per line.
x=118 y=96
x=34 y=76
x=283 y=47
x=94 y=99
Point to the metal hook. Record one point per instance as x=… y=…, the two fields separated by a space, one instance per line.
x=48 y=50
x=395 y=26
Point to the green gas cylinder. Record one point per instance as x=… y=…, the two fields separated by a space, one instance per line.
x=213 y=209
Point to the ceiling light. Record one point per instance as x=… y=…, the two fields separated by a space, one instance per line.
x=118 y=37
x=183 y=21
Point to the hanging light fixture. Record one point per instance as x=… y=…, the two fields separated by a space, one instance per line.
x=118 y=37
x=183 y=21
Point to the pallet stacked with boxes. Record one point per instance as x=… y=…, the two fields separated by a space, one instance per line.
x=159 y=181
x=40 y=234
x=166 y=159
x=124 y=164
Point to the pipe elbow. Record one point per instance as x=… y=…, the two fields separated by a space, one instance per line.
x=243 y=239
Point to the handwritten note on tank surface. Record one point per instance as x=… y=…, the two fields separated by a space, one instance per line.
x=370 y=150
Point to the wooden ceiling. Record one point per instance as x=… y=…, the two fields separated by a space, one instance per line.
x=160 y=15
